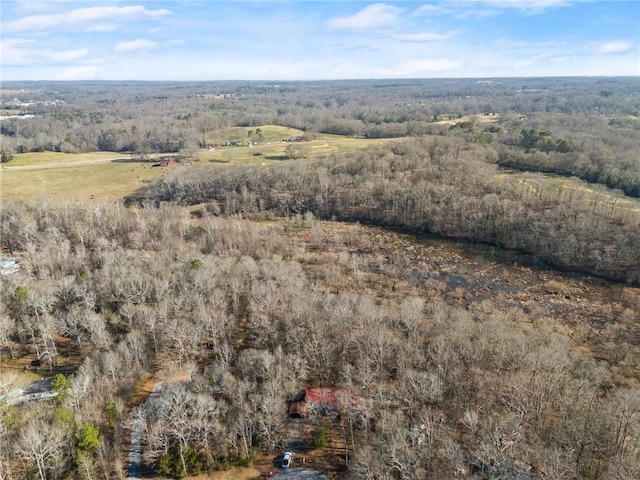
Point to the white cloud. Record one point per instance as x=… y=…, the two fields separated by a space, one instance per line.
x=102 y=27
x=175 y=42
x=614 y=47
x=431 y=10
x=31 y=6
x=487 y=8
x=68 y=55
x=530 y=61
x=19 y=51
x=8 y=43
x=80 y=16
x=86 y=72
x=423 y=37
x=423 y=67
x=15 y=51
x=139 y=45
x=525 y=5
x=375 y=15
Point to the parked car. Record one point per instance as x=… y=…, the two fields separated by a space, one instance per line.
x=286 y=459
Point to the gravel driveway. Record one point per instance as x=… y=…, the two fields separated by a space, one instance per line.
x=300 y=474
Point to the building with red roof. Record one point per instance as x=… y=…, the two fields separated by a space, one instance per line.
x=323 y=401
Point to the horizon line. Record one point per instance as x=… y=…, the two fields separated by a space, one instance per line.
x=320 y=79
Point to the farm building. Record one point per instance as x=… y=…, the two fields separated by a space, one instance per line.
x=165 y=163
x=323 y=401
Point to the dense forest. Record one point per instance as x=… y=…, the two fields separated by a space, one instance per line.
x=186 y=318
x=294 y=303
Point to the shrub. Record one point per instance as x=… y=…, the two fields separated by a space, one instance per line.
x=60 y=384
x=88 y=437
x=170 y=463
x=321 y=435
x=110 y=411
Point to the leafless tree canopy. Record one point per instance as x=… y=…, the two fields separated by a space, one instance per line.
x=195 y=314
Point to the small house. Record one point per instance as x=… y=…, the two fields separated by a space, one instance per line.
x=324 y=401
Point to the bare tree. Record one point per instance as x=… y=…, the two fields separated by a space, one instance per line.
x=42 y=445
x=7 y=326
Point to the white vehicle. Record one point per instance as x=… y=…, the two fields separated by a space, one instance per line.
x=286 y=459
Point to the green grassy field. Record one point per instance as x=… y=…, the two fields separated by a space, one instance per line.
x=101 y=181
x=270 y=133
x=56 y=158
x=273 y=148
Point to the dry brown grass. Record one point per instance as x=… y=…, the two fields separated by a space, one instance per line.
x=249 y=473
x=568 y=190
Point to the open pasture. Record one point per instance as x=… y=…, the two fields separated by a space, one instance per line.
x=569 y=190
x=273 y=145
x=104 y=181
x=38 y=160
x=452 y=119
x=265 y=133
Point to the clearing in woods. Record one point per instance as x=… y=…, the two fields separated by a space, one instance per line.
x=62 y=177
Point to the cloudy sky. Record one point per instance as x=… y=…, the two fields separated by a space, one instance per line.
x=290 y=40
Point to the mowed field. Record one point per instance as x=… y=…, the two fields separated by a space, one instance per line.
x=77 y=178
x=38 y=160
x=273 y=147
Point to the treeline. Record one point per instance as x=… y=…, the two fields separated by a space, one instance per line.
x=443 y=186
x=77 y=117
x=580 y=127
x=597 y=150
x=441 y=388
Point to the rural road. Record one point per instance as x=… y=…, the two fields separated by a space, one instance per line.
x=138 y=426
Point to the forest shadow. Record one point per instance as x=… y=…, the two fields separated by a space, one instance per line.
x=137 y=197
x=128 y=160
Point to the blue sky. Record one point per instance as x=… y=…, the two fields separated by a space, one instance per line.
x=291 y=40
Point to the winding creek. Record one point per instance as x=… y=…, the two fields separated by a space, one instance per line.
x=490 y=261
x=475 y=273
